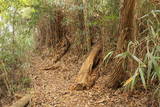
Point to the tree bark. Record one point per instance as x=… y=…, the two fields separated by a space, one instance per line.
x=126 y=33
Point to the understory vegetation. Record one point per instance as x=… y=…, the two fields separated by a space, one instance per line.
x=127 y=30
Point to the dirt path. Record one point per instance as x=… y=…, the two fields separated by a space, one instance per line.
x=51 y=88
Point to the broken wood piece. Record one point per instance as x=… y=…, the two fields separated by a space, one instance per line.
x=23 y=101
x=88 y=73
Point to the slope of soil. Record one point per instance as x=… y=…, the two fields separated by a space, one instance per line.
x=51 y=87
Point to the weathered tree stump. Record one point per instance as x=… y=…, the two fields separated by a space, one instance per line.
x=88 y=73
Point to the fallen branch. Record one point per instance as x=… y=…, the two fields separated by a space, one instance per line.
x=23 y=101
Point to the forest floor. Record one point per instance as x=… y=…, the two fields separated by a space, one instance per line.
x=52 y=87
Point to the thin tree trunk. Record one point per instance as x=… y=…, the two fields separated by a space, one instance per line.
x=84 y=37
x=86 y=27
x=126 y=33
x=80 y=25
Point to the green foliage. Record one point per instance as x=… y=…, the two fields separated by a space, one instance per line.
x=106 y=10
x=13 y=47
x=148 y=70
x=145 y=51
x=19 y=17
x=16 y=38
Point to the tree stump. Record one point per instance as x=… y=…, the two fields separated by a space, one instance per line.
x=88 y=73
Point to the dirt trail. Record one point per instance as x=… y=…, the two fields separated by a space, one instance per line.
x=51 y=88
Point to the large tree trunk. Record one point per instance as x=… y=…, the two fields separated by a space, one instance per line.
x=127 y=32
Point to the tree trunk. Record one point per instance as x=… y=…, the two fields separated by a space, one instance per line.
x=126 y=33
x=86 y=27
x=84 y=37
